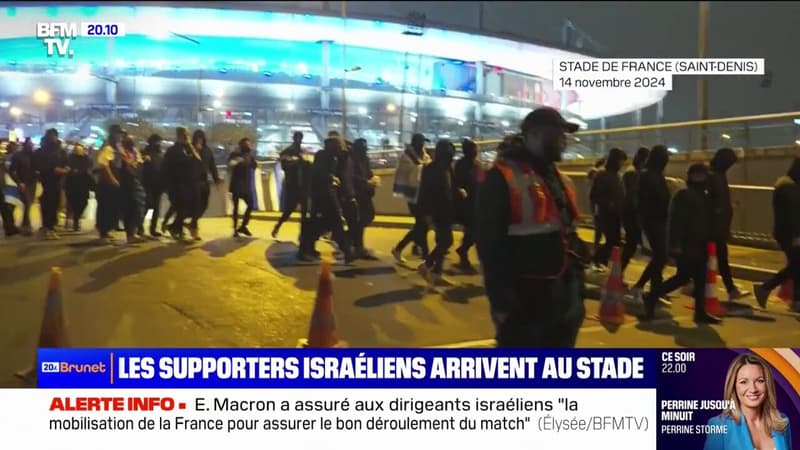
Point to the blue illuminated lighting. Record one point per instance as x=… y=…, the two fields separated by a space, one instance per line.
x=267 y=74
x=11 y=12
x=307 y=76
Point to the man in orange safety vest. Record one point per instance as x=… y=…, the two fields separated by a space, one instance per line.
x=531 y=256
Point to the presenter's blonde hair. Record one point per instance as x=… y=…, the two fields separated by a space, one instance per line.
x=769 y=409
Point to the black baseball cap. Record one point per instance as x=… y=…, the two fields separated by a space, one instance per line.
x=419 y=138
x=547 y=117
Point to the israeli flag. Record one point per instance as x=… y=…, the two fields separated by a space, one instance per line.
x=11 y=193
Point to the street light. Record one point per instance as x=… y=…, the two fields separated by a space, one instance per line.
x=391 y=107
x=217 y=104
x=14 y=111
x=41 y=96
x=146 y=103
x=68 y=102
x=362 y=110
x=4 y=104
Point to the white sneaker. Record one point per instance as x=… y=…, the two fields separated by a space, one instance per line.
x=398 y=256
x=637 y=295
x=424 y=271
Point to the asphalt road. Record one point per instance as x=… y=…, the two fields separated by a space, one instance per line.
x=226 y=292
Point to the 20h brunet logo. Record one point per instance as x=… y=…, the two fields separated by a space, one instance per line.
x=65 y=367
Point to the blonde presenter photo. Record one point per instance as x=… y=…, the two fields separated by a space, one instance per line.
x=752 y=420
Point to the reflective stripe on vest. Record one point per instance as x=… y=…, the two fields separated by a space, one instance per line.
x=533 y=210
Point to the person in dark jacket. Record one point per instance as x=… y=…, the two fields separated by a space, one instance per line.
x=241 y=166
x=365 y=184
x=205 y=168
x=52 y=164
x=690 y=231
x=608 y=195
x=293 y=182
x=131 y=192
x=78 y=184
x=414 y=159
x=598 y=232
x=326 y=209
x=438 y=207
x=630 y=213
x=108 y=167
x=6 y=210
x=720 y=193
x=182 y=177
x=653 y=208
x=22 y=170
x=532 y=264
x=786 y=230
x=467 y=172
x=152 y=180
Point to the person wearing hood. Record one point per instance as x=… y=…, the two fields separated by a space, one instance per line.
x=690 y=226
x=180 y=169
x=630 y=213
x=438 y=207
x=407 y=185
x=241 y=166
x=786 y=230
x=152 y=181
x=467 y=173
x=609 y=197
x=532 y=258
x=22 y=170
x=131 y=192
x=292 y=189
x=7 y=210
x=326 y=209
x=52 y=164
x=720 y=193
x=365 y=183
x=205 y=168
x=346 y=195
x=78 y=184
x=598 y=232
x=653 y=208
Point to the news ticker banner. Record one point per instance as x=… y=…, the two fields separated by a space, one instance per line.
x=606 y=399
x=644 y=73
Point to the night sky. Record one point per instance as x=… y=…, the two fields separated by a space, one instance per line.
x=766 y=30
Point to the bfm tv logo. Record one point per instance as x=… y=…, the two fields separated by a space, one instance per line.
x=57 y=37
x=65 y=367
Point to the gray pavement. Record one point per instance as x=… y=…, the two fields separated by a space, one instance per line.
x=226 y=292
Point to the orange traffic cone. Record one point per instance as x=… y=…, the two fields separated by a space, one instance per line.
x=713 y=305
x=612 y=310
x=53 y=332
x=322 y=331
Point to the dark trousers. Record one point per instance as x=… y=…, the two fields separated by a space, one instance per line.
x=154 y=203
x=292 y=200
x=598 y=233
x=654 y=272
x=723 y=262
x=6 y=214
x=48 y=202
x=27 y=198
x=612 y=230
x=77 y=200
x=131 y=213
x=355 y=232
x=418 y=234
x=549 y=316
x=202 y=204
x=248 y=201
x=366 y=214
x=790 y=272
x=107 y=208
x=633 y=237
x=329 y=218
x=689 y=270
x=444 y=239
x=467 y=240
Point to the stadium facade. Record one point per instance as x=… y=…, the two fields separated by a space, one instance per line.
x=275 y=72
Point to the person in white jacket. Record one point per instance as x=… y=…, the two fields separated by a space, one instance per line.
x=407 y=185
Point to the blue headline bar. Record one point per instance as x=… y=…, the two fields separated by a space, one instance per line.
x=346 y=368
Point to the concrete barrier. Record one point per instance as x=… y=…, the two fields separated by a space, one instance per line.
x=751 y=181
